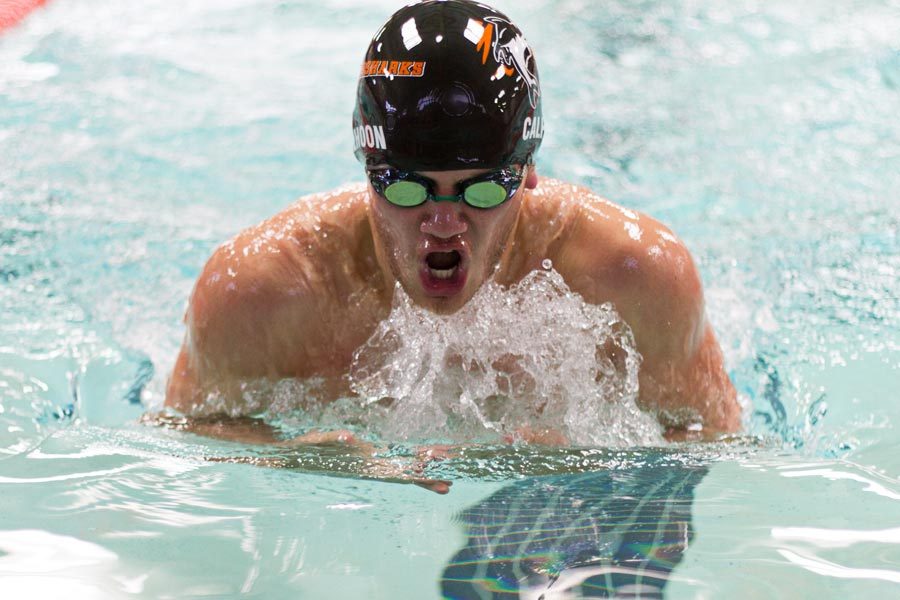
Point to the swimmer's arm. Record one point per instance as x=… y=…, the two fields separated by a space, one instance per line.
x=656 y=288
x=683 y=375
x=242 y=326
x=264 y=305
x=254 y=431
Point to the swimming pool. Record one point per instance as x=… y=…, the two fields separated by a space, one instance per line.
x=136 y=138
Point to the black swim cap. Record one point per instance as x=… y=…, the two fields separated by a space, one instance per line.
x=448 y=84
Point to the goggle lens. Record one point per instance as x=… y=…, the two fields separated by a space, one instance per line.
x=485 y=194
x=406 y=193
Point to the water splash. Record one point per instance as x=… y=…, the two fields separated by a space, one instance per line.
x=536 y=354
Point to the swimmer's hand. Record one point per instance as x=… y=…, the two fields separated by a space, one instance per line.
x=340 y=437
x=539 y=436
x=249 y=430
x=378 y=467
x=681 y=435
x=436 y=452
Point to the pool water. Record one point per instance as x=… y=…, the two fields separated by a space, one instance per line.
x=134 y=138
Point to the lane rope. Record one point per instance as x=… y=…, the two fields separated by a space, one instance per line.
x=13 y=11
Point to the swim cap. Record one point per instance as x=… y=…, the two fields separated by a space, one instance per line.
x=447 y=84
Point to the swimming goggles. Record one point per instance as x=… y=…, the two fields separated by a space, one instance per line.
x=487 y=190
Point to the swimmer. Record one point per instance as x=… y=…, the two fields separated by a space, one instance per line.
x=447 y=125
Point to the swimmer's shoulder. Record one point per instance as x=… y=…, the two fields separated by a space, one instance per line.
x=596 y=233
x=337 y=214
x=612 y=253
x=576 y=223
x=272 y=277
x=541 y=227
x=312 y=227
x=571 y=209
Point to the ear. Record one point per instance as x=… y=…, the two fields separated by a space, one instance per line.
x=531 y=179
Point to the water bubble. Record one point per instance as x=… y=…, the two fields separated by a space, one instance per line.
x=547 y=264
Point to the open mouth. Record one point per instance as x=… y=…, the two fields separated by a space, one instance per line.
x=443 y=273
x=442 y=265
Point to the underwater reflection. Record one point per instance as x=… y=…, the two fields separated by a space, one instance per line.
x=609 y=533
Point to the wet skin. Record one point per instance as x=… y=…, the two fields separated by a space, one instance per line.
x=296 y=295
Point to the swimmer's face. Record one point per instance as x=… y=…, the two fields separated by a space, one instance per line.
x=442 y=252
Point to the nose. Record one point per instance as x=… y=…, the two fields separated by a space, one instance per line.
x=444 y=220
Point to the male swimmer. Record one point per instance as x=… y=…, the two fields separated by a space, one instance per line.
x=447 y=124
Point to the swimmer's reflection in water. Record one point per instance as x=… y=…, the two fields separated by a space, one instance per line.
x=453 y=200
x=615 y=533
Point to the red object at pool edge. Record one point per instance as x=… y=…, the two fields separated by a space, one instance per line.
x=13 y=11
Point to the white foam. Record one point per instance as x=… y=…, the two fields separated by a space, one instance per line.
x=524 y=356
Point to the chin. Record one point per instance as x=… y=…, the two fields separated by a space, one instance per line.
x=440 y=305
x=443 y=306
